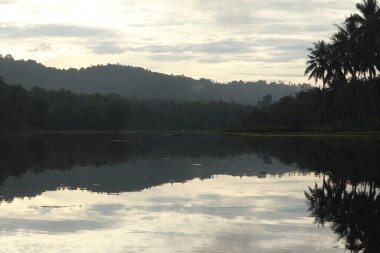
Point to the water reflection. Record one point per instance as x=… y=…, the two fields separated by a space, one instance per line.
x=34 y=164
x=353 y=210
x=226 y=214
x=149 y=192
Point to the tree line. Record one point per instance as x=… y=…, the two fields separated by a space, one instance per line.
x=39 y=108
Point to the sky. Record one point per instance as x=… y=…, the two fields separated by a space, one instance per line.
x=222 y=40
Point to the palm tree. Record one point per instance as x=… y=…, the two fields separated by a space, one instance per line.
x=319 y=68
x=340 y=57
x=344 y=50
x=377 y=39
x=318 y=62
x=355 y=49
x=368 y=33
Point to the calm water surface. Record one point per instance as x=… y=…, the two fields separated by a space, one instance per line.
x=157 y=193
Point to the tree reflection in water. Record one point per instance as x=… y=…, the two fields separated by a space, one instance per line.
x=352 y=210
x=348 y=197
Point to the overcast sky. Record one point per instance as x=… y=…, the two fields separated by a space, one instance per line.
x=222 y=40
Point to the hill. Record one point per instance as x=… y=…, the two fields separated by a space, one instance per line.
x=139 y=83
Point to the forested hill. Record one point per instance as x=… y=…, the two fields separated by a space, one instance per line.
x=138 y=83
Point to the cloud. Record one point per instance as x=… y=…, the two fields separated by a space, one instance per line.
x=53 y=30
x=107 y=209
x=238 y=12
x=276 y=17
x=225 y=46
x=266 y=238
x=248 y=50
x=216 y=59
x=284 y=49
x=6 y=1
x=207 y=52
x=285 y=28
x=52 y=226
x=290 y=209
x=171 y=57
x=44 y=47
x=107 y=48
x=224 y=12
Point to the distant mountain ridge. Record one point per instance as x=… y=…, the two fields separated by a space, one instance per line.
x=139 y=83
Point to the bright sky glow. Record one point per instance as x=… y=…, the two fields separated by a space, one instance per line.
x=222 y=40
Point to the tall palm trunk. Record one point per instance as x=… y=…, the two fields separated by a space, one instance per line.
x=324 y=97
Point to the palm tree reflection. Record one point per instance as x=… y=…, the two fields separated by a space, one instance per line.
x=352 y=210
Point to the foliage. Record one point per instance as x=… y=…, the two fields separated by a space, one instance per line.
x=65 y=110
x=354 y=51
x=352 y=106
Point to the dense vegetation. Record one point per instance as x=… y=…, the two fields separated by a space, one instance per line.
x=348 y=69
x=353 y=106
x=38 y=108
x=138 y=83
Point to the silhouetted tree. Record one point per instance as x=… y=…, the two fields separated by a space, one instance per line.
x=319 y=62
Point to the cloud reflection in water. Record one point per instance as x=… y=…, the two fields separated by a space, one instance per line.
x=223 y=214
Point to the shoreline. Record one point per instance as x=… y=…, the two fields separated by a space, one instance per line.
x=258 y=133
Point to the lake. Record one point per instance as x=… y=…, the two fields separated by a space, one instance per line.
x=190 y=193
